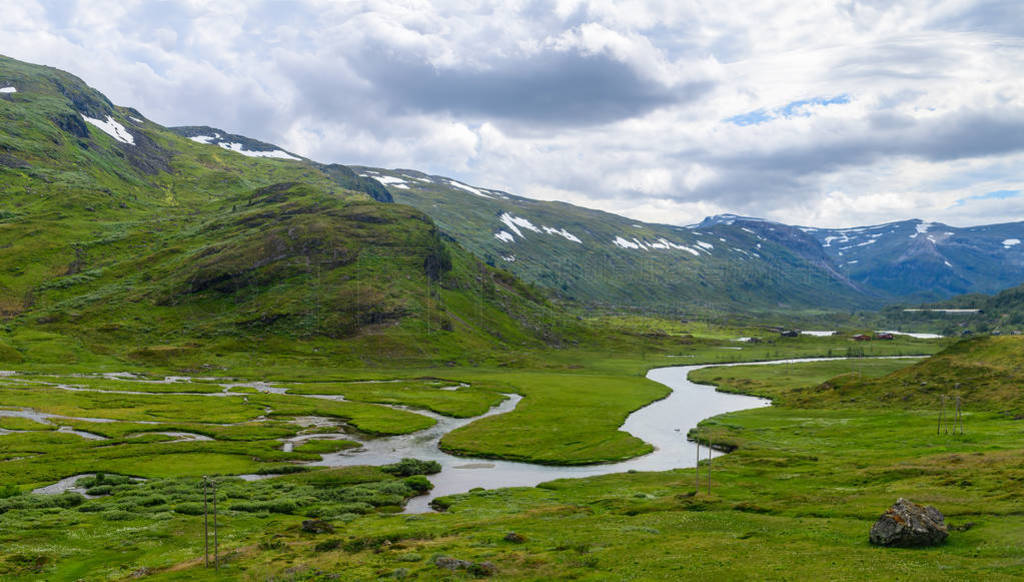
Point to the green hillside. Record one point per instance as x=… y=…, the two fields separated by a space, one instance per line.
x=599 y=257
x=131 y=240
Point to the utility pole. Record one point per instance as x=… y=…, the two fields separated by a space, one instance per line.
x=696 y=472
x=206 y=526
x=709 y=467
x=942 y=409
x=959 y=417
x=216 y=547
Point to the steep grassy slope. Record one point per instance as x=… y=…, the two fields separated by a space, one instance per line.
x=124 y=238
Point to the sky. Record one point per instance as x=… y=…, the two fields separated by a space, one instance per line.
x=836 y=113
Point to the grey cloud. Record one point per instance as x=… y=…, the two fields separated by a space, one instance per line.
x=955 y=136
x=749 y=178
x=1000 y=16
x=553 y=88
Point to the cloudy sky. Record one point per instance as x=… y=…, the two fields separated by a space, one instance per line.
x=831 y=113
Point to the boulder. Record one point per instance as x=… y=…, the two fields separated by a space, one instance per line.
x=513 y=537
x=907 y=524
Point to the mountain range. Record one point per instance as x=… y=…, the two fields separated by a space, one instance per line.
x=725 y=261
x=114 y=223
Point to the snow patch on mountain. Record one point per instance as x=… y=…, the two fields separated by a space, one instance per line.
x=391 y=181
x=621 y=242
x=1011 y=242
x=514 y=222
x=112 y=128
x=562 y=233
x=504 y=236
x=705 y=245
x=469 y=189
x=660 y=243
x=239 y=149
x=8 y=90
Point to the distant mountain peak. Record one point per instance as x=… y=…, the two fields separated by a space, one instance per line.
x=726 y=219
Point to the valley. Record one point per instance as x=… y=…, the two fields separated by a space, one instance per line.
x=389 y=374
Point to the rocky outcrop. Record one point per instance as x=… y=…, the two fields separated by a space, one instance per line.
x=907 y=524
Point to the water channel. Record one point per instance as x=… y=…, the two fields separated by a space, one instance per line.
x=664 y=424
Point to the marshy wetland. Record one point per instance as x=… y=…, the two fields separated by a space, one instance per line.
x=813 y=467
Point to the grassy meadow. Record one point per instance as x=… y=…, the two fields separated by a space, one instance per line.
x=795 y=497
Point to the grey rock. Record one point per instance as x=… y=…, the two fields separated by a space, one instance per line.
x=908 y=524
x=514 y=538
x=449 y=563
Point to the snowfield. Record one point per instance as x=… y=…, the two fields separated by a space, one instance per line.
x=391 y=181
x=562 y=233
x=504 y=236
x=514 y=222
x=238 y=148
x=112 y=128
x=8 y=90
x=469 y=189
x=621 y=242
x=661 y=243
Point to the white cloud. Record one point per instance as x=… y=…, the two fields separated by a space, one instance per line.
x=635 y=125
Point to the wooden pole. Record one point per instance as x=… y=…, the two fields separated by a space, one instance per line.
x=942 y=408
x=709 y=468
x=216 y=547
x=206 y=526
x=696 y=472
x=959 y=416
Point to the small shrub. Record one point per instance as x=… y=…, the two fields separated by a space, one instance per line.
x=328 y=545
x=118 y=515
x=410 y=467
x=282 y=470
x=189 y=508
x=151 y=500
x=418 y=483
x=68 y=499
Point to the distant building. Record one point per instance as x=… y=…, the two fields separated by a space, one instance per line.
x=862 y=337
x=789 y=333
x=884 y=336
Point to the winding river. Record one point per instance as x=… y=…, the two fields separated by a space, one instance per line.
x=663 y=423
